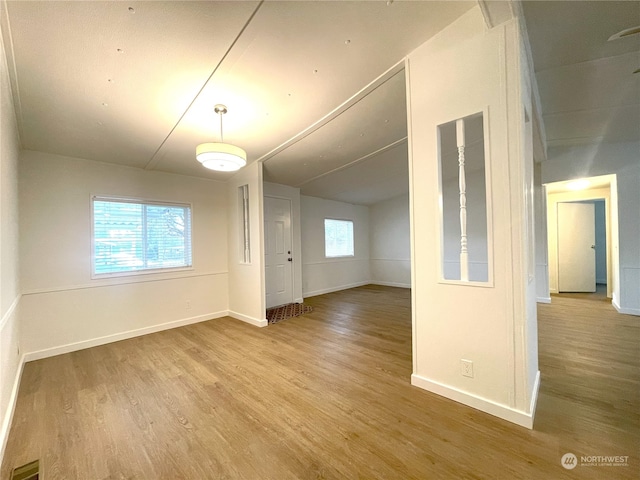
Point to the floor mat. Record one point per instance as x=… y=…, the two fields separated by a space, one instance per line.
x=283 y=312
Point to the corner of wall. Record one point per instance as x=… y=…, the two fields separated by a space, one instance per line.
x=247 y=291
x=524 y=419
x=7 y=414
x=11 y=360
x=257 y=322
x=11 y=365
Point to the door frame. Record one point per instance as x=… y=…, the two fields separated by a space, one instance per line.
x=291 y=272
x=574 y=217
x=603 y=187
x=285 y=192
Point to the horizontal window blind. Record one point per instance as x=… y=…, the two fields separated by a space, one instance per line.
x=132 y=236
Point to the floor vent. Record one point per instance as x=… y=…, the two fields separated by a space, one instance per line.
x=30 y=471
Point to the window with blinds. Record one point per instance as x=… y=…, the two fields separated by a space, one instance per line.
x=338 y=238
x=131 y=236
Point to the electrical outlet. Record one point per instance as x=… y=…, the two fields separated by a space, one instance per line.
x=467 y=368
x=188 y=305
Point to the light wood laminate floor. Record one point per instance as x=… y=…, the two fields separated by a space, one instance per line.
x=323 y=396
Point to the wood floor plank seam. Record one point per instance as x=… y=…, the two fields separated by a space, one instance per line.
x=324 y=395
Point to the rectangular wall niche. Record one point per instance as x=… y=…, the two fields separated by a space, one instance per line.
x=463 y=192
x=243 y=224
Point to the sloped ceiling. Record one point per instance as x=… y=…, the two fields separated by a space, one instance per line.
x=315 y=90
x=135 y=83
x=587 y=88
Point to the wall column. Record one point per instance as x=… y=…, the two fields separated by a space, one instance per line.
x=474 y=342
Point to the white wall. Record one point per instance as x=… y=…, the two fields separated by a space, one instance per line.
x=322 y=275
x=463 y=70
x=390 y=243
x=63 y=308
x=381 y=240
x=525 y=184
x=565 y=163
x=541 y=248
x=293 y=194
x=9 y=261
x=247 y=280
x=552 y=231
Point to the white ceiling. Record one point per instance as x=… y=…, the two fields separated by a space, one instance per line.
x=100 y=81
x=315 y=89
x=588 y=91
x=592 y=183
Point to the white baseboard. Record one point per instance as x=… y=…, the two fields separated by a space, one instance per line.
x=391 y=284
x=8 y=415
x=518 y=417
x=543 y=299
x=534 y=398
x=116 y=337
x=626 y=311
x=334 y=289
x=94 y=342
x=251 y=320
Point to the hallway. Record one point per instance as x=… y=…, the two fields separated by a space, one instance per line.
x=590 y=365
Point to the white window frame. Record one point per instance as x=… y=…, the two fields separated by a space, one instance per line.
x=144 y=271
x=353 y=237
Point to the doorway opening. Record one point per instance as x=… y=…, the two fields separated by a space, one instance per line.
x=582 y=229
x=278 y=251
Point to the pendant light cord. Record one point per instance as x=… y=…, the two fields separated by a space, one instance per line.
x=153 y=160
x=221 y=136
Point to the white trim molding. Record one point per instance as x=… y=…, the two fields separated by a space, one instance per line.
x=322 y=291
x=624 y=310
x=534 y=398
x=505 y=412
x=390 y=284
x=10 y=311
x=11 y=405
x=7 y=415
x=116 y=337
x=348 y=258
x=543 y=299
x=147 y=277
x=247 y=319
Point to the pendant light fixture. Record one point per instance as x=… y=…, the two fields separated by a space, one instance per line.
x=221 y=156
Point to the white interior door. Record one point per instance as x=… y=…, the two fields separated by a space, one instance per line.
x=576 y=247
x=278 y=258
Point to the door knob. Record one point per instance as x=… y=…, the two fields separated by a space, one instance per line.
x=593 y=246
x=290 y=259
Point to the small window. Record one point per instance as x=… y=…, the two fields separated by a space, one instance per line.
x=464 y=207
x=131 y=236
x=338 y=238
